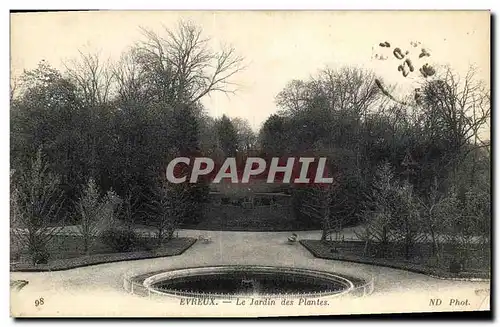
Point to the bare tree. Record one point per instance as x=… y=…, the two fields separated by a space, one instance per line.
x=93 y=80
x=130 y=79
x=92 y=77
x=406 y=218
x=129 y=209
x=169 y=205
x=96 y=213
x=349 y=89
x=294 y=96
x=184 y=67
x=458 y=110
x=431 y=216
x=317 y=206
x=246 y=136
x=35 y=200
x=377 y=215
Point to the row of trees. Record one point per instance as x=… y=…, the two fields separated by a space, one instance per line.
x=395 y=213
x=104 y=132
x=36 y=198
x=407 y=170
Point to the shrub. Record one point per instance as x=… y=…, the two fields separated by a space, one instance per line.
x=167 y=207
x=299 y=198
x=40 y=256
x=96 y=212
x=455 y=266
x=392 y=214
x=35 y=200
x=120 y=240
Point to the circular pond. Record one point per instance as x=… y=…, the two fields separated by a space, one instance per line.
x=227 y=281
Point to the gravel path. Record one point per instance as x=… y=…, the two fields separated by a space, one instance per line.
x=98 y=290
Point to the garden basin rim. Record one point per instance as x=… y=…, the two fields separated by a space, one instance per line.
x=147 y=280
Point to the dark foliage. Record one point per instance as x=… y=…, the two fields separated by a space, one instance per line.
x=120 y=240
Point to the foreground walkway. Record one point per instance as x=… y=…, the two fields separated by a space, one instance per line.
x=98 y=290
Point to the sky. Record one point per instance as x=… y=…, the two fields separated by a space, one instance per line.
x=277 y=46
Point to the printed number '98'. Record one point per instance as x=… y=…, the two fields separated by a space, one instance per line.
x=39 y=302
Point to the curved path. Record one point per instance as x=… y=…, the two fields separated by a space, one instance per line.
x=98 y=290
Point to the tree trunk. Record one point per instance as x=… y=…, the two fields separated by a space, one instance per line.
x=324 y=232
x=434 y=244
x=86 y=244
x=326 y=224
x=365 y=250
x=160 y=236
x=384 y=243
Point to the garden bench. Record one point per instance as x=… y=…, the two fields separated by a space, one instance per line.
x=292 y=239
x=205 y=239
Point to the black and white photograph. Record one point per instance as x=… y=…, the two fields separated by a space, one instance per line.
x=249 y=163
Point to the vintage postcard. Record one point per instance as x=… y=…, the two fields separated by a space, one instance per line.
x=249 y=163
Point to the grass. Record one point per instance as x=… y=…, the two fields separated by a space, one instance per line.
x=421 y=262
x=65 y=253
x=258 y=219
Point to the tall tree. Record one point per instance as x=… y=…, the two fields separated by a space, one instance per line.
x=36 y=200
x=96 y=213
x=228 y=136
x=457 y=112
x=182 y=68
x=317 y=204
x=92 y=77
x=246 y=136
x=48 y=113
x=168 y=207
x=274 y=136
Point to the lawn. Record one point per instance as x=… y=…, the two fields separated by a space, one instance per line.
x=257 y=219
x=66 y=253
x=420 y=262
